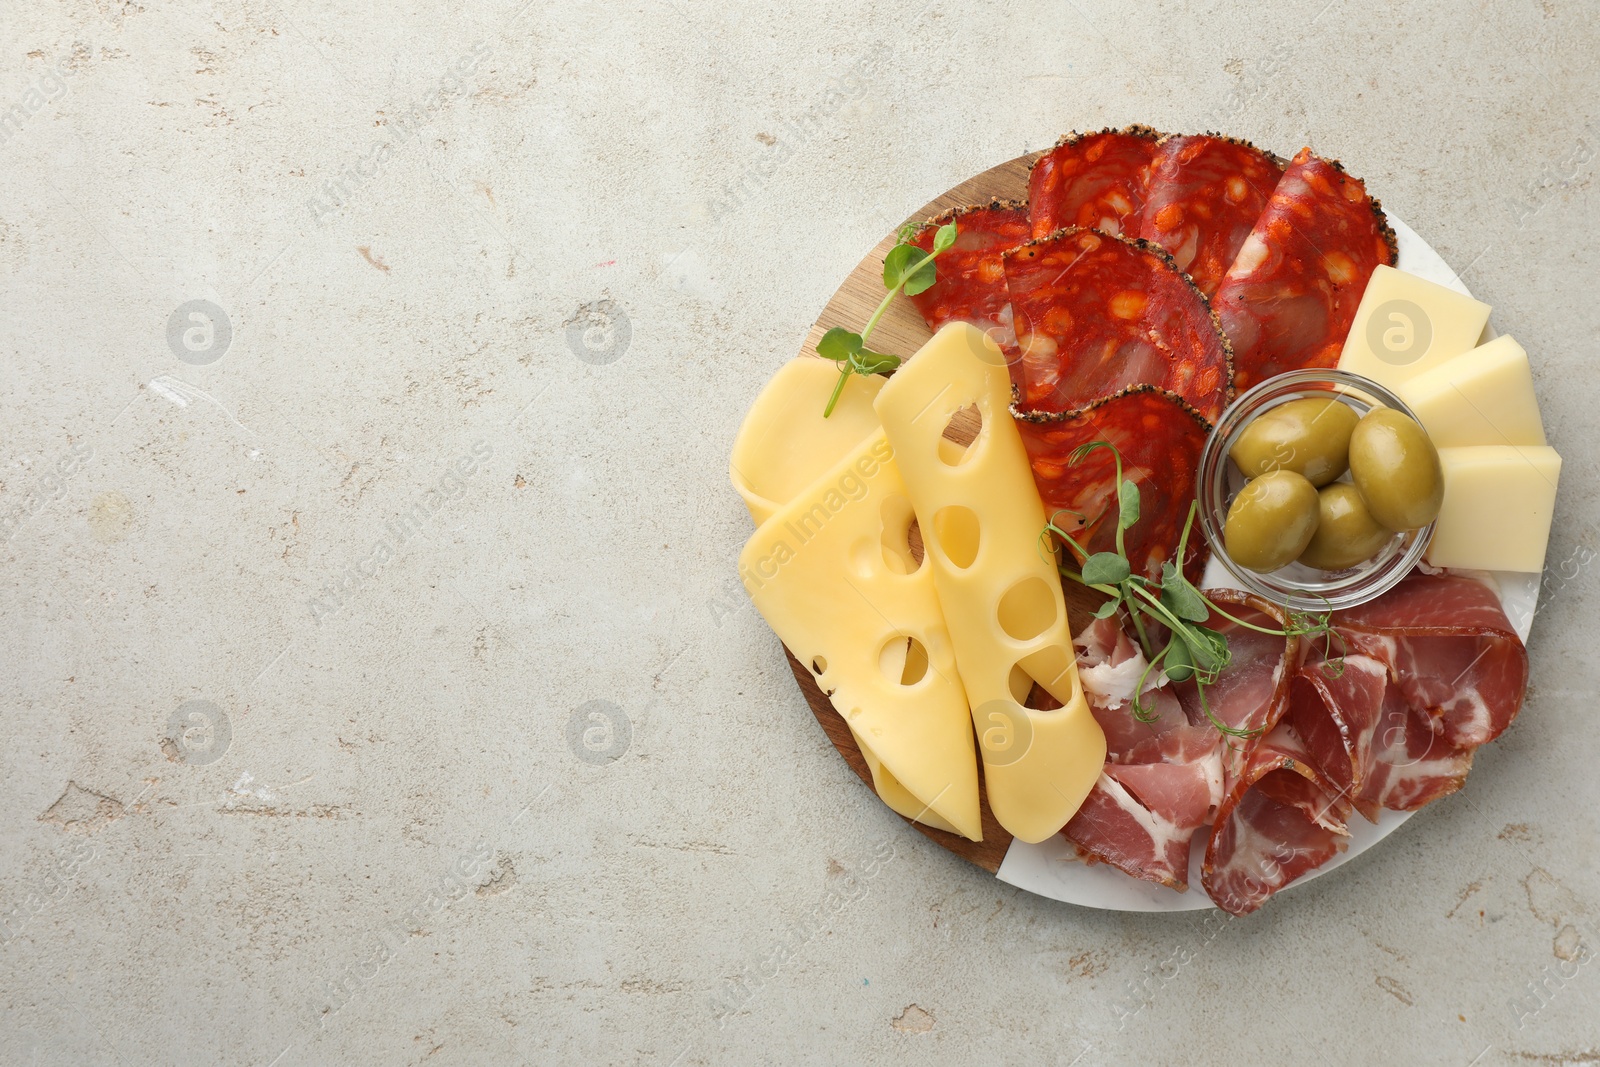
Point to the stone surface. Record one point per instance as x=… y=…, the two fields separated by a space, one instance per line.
x=291 y=778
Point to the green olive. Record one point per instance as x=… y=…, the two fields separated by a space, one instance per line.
x=1308 y=436
x=1271 y=521
x=1397 y=470
x=1347 y=533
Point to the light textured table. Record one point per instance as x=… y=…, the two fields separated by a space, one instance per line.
x=375 y=686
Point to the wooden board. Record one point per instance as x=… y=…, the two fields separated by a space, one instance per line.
x=902 y=331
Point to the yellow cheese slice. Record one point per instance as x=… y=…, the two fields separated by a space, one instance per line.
x=981 y=518
x=833 y=573
x=1498 y=503
x=784 y=442
x=1406 y=325
x=899 y=799
x=1482 y=398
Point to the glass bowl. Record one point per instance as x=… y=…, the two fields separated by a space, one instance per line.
x=1297 y=586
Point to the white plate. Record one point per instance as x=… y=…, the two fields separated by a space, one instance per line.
x=1052 y=869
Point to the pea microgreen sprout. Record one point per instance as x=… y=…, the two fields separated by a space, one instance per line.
x=1193 y=650
x=906 y=269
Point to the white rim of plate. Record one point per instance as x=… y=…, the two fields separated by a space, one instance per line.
x=1052 y=868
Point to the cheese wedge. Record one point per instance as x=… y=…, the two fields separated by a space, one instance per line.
x=1482 y=398
x=1406 y=325
x=981 y=518
x=784 y=442
x=1498 y=504
x=833 y=573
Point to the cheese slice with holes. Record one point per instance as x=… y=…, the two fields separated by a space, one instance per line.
x=981 y=520
x=833 y=573
x=784 y=442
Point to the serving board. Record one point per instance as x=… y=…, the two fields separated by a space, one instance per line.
x=1050 y=868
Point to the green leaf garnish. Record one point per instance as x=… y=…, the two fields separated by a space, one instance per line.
x=1127 y=505
x=1105 y=568
x=864 y=362
x=1208 y=649
x=1179 y=663
x=839 y=343
x=906 y=269
x=1181 y=598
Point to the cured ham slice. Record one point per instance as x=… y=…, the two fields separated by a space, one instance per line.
x=1095 y=314
x=1335 y=708
x=1290 y=294
x=1281 y=818
x=1160 y=438
x=1143 y=828
x=1161 y=778
x=1204 y=194
x=1410 y=764
x=1450 y=650
x=1164 y=777
x=971 y=282
x=1093 y=180
x=1328 y=737
x=1251 y=695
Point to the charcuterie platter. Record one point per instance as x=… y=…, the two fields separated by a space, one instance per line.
x=1135 y=519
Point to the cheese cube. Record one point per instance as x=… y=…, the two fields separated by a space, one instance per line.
x=1482 y=398
x=1406 y=325
x=1498 y=502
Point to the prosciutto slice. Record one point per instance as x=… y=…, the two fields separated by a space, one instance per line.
x=1281 y=818
x=1165 y=777
x=1252 y=693
x=1109 y=666
x=1335 y=708
x=1450 y=650
x=1410 y=764
x=1145 y=834
x=1161 y=779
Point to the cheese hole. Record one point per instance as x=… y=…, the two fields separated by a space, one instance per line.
x=819 y=666
x=1028 y=609
x=960 y=434
x=903 y=660
x=955 y=530
x=1039 y=699
x=1019 y=683
x=1056 y=671
x=898 y=519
